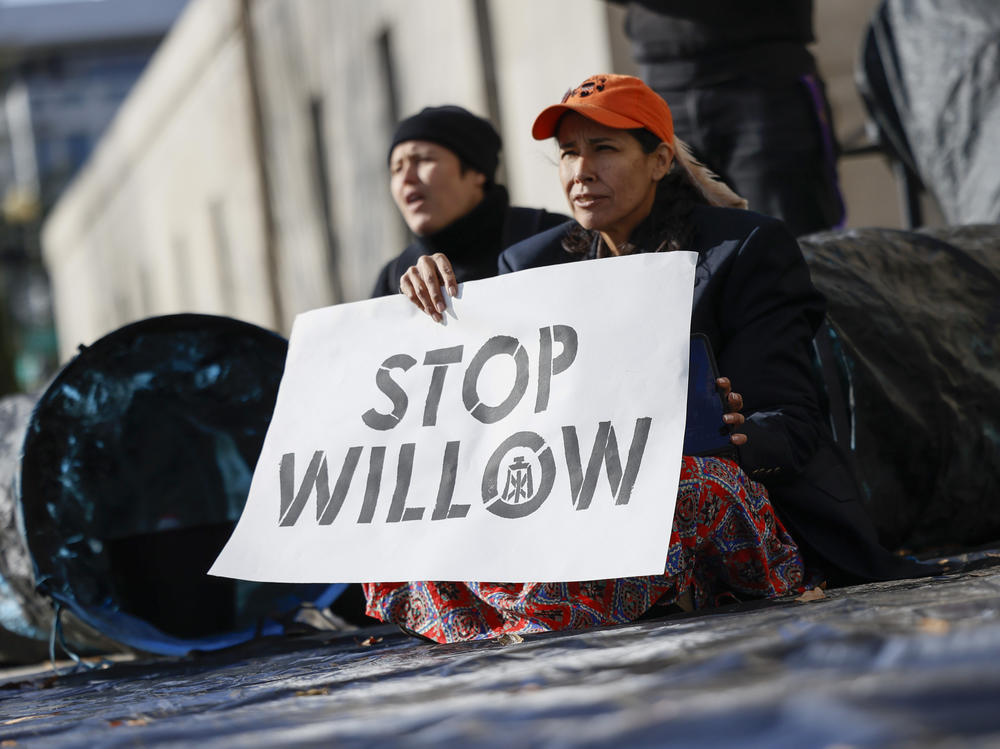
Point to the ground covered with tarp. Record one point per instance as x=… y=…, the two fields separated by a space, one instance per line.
x=890 y=664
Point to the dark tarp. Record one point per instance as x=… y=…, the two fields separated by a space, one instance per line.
x=916 y=322
x=932 y=81
x=136 y=464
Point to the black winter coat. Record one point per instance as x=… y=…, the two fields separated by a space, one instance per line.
x=472 y=242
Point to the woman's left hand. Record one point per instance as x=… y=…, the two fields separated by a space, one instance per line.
x=734 y=404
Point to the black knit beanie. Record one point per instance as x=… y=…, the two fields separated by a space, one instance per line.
x=471 y=138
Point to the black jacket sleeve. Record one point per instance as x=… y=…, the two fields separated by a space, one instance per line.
x=384 y=285
x=387 y=282
x=768 y=314
x=544 y=248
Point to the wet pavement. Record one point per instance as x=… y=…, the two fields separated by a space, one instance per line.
x=908 y=663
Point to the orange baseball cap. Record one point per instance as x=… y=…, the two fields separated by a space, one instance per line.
x=618 y=101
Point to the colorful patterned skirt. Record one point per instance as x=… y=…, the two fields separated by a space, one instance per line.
x=726 y=545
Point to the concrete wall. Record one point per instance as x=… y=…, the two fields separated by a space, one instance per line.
x=534 y=72
x=166 y=215
x=331 y=53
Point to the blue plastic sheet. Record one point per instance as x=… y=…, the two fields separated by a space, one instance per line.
x=137 y=462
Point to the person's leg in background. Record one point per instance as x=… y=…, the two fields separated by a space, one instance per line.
x=772 y=144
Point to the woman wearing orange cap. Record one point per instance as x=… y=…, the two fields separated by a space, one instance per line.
x=633 y=187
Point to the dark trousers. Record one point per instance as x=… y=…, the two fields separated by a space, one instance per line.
x=773 y=145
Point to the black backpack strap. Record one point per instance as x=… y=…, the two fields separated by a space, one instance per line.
x=836 y=390
x=836 y=385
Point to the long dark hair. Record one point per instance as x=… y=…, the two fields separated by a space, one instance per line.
x=670 y=226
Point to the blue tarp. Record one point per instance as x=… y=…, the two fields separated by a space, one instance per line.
x=136 y=464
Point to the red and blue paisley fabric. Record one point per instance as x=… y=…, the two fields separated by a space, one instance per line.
x=726 y=545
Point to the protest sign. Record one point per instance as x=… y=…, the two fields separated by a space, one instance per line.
x=534 y=435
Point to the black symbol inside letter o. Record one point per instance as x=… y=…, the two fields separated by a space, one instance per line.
x=536 y=444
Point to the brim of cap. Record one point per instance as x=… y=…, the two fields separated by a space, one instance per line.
x=547 y=122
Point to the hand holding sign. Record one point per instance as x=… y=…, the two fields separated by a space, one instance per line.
x=422 y=283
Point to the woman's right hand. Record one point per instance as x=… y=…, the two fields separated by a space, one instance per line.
x=734 y=404
x=422 y=283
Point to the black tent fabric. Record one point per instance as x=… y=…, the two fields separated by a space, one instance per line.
x=915 y=319
x=136 y=464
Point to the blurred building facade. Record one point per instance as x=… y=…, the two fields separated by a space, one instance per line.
x=65 y=68
x=246 y=173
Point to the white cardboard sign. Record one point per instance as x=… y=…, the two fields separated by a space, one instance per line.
x=535 y=435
